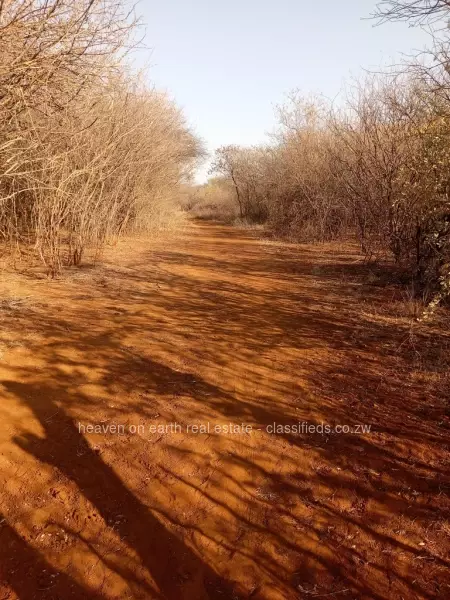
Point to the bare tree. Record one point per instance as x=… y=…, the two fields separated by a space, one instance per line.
x=86 y=151
x=226 y=163
x=417 y=12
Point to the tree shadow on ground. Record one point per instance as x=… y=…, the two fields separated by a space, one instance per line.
x=224 y=327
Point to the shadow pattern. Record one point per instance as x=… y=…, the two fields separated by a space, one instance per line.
x=221 y=328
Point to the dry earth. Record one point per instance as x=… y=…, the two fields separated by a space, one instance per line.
x=218 y=326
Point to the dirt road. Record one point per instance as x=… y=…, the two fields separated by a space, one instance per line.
x=147 y=447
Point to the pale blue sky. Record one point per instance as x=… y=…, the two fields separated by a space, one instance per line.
x=227 y=63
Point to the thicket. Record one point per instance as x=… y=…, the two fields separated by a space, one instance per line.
x=378 y=164
x=87 y=151
x=213 y=200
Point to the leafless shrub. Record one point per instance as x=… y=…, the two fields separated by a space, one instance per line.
x=378 y=166
x=244 y=169
x=214 y=200
x=291 y=184
x=86 y=151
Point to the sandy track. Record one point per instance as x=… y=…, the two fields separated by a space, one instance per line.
x=217 y=330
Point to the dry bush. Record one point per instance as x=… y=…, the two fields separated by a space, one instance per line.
x=291 y=184
x=86 y=151
x=379 y=166
x=305 y=199
x=213 y=201
x=244 y=169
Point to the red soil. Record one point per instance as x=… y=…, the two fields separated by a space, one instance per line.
x=218 y=327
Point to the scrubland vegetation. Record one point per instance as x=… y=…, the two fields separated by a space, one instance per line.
x=375 y=164
x=225 y=413
x=87 y=150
